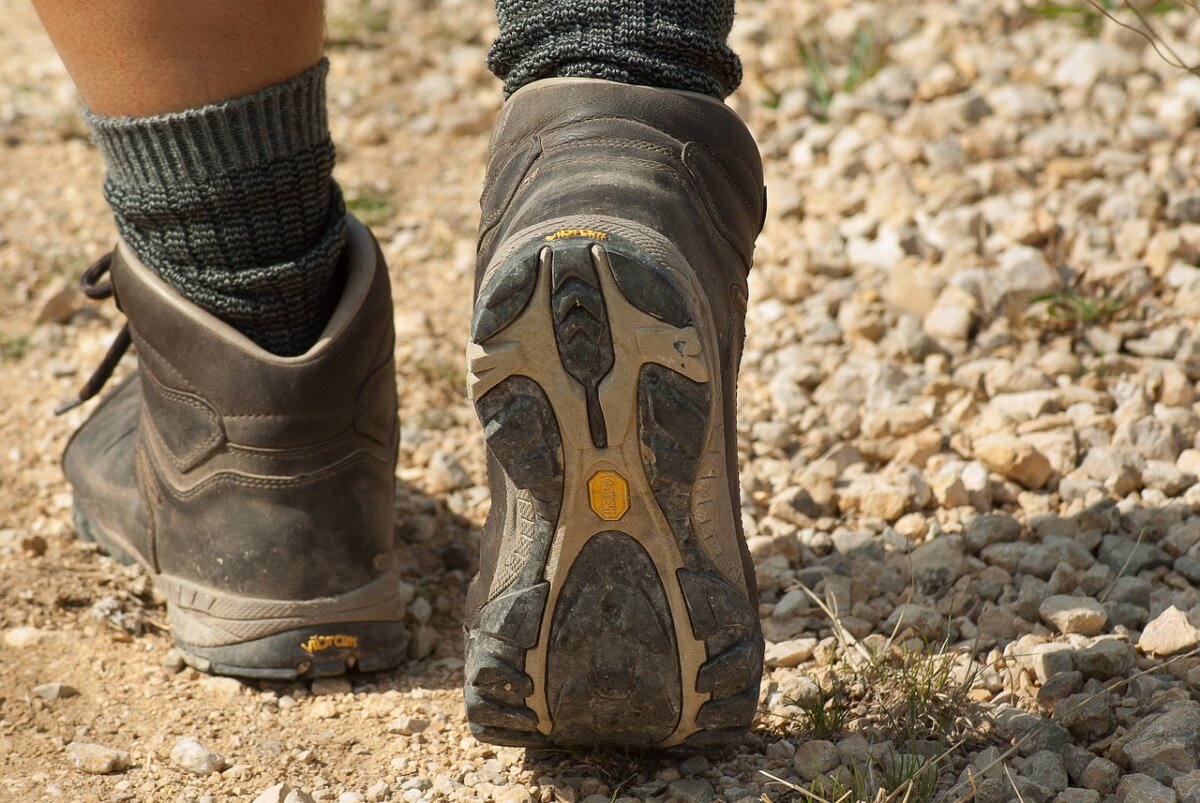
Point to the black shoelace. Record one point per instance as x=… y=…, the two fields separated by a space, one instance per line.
x=93 y=288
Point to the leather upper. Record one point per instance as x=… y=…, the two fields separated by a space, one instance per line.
x=259 y=475
x=681 y=162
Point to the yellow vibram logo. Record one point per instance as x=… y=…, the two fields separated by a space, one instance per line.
x=319 y=643
x=563 y=234
x=608 y=494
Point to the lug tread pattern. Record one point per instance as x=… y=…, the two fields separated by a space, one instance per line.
x=613 y=666
x=497 y=685
x=521 y=430
x=581 y=328
x=505 y=297
x=522 y=434
x=649 y=290
x=673 y=422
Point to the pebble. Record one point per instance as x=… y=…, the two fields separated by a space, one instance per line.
x=377 y=791
x=691 y=791
x=1101 y=775
x=222 y=687
x=950 y=319
x=1106 y=659
x=790 y=653
x=190 y=755
x=330 y=686
x=1169 y=633
x=922 y=620
x=1187 y=787
x=1138 y=788
x=1087 y=716
x=941 y=558
x=1046 y=769
x=95 y=759
x=1068 y=614
x=1168 y=746
x=1073 y=795
x=282 y=793
x=1058 y=687
x=446 y=473
x=816 y=757
x=55 y=691
x=407 y=724
x=1014 y=458
x=22 y=637
x=1131 y=557
x=58 y=302
x=990 y=529
x=174 y=661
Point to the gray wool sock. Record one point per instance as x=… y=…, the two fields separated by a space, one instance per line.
x=675 y=44
x=234 y=205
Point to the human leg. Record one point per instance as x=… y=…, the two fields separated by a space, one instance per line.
x=211 y=118
x=249 y=463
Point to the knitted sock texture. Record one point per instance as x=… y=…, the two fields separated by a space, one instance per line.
x=675 y=44
x=234 y=205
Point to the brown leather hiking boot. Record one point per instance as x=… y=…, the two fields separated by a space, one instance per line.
x=258 y=489
x=615 y=602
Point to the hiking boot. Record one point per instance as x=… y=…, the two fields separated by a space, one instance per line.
x=257 y=489
x=615 y=602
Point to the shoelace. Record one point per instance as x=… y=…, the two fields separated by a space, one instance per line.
x=93 y=288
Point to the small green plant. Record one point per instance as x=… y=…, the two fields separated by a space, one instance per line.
x=1073 y=309
x=1090 y=14
x=773 y=97
x=372 y=210
x=907 y=777
x=907 y=770
x=1132 y=15
x=14 y=347
x=864 y=59
x=824 y=714
x=922 y=698
x=826 y=789
x=912 y=693
x=1082 y=14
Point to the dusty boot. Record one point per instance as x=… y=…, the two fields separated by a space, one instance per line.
x=615 y=602
x=257 y=489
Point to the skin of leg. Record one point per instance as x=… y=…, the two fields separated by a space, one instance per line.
x=135 y=58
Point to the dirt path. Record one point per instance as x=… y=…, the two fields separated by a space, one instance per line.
x=931 y=167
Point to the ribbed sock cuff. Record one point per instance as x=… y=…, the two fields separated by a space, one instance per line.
x=673 y=44
x=194 y=145
x=234 y=205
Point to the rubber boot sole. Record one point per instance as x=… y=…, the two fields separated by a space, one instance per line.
x=618 y=611
x=291 y=639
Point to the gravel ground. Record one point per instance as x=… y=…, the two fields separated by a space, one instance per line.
x=992 y=498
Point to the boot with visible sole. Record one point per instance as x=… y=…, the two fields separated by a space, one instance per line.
x=257 y=489
x=615 y=603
